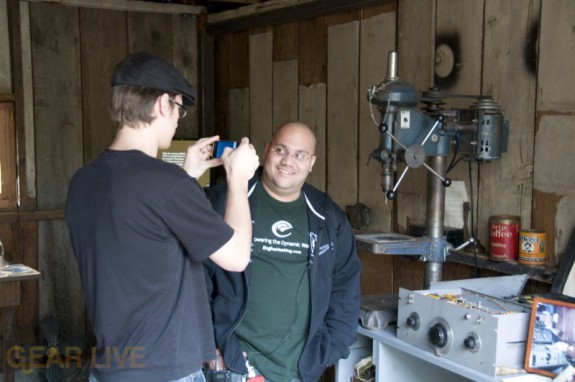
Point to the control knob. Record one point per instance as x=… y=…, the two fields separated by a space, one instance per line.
x=470 y=343
x=413 y=321
x=438 y=335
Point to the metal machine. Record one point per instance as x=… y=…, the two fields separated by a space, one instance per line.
x=426 y=137
x=482 y=332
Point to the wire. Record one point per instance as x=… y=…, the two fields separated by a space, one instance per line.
x=473 y=229
x=455 y=153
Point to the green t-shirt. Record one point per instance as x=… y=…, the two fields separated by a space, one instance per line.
x=275 y=326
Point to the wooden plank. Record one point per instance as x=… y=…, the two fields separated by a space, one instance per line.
x=26 y=128
x=285 y=44
x=553 y=182
x=56 y=70
x=415 y=42
x=9 y=294
x=556 y=42
x=28 y=312
x=30 y=216
x=207 y=90
x=20 y=244
x=239 y=121
x=155 y=38
x=460 y=26
x=312 y=51
x=376 y=273
x=129 y=5
x=239 y=113
x=10 y=243
x=261 y=114
x=376 y=40
x=239 y=60
x=342 y=117
x=506 y=185
x=563 y=224
x=369 y=12
x=55 y=47
x=312 y=111
x=185 y=57
x=60 y=286
x=275 y=12
x=8 y=170
x=415 y=45
x=101 y=31
x=343 y=17
x=222 y=84
x=285 y=92
x=408 y=273
x=5 y=68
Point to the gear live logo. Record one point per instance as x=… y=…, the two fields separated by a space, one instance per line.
x=282 y=229
x=31 y=359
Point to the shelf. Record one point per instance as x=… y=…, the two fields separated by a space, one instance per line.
x=538 y=273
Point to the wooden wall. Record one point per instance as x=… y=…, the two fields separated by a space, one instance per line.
x=61 y=94
x=519 y=52
x=315 y=69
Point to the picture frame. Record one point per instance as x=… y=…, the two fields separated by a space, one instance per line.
x=551 y=340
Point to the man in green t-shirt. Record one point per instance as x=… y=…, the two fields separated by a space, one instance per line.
x=295 y=309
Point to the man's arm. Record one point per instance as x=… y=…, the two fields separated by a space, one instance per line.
x=344 y=306
x=240 y=165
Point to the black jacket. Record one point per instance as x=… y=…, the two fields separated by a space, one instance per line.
x=334 y=278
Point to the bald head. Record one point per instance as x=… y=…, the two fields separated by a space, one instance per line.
x=289 y=158
x=299 y=128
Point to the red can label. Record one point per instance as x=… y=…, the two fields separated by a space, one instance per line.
x=503 y=238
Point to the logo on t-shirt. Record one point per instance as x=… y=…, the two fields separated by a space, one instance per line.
x=282 y=228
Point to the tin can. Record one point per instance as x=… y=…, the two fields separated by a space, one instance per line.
x=532 y=247
x=503 y=237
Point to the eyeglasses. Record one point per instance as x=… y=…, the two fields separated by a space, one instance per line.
x=183 y=111
x=283 y=152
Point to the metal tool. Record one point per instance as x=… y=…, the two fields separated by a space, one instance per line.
x=425 y=137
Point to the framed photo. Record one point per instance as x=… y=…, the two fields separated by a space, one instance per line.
x=551 y=339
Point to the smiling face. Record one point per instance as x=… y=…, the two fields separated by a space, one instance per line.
x=289 y=158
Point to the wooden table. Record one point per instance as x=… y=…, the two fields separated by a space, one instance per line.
x=10 y=297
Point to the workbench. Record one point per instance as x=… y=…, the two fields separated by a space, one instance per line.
x=399 y=361
x=10 y=297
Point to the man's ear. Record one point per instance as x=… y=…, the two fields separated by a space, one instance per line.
x=313 y=158
x=163 y=106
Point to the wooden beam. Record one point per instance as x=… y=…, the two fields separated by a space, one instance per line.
x=7 y=97
x=14 y=216
x=236 y=1
x=280 y=11
x=129 y=5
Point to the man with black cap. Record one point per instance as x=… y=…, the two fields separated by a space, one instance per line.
x=140 y=229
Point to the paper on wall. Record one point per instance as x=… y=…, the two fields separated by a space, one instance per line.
x=455 y=196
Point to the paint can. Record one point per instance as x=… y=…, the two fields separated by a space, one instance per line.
x=532 y=247
x=503 y=237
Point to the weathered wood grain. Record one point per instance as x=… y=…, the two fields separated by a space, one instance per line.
x=261 y=90
x=377 y=38
x=342 y=114
x=104 y=43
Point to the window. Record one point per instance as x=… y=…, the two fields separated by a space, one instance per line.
x=8 y=177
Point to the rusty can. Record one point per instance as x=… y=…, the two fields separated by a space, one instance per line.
x=503 y=237
x=532 y=247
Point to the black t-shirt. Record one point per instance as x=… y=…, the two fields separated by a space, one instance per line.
x=140 y=229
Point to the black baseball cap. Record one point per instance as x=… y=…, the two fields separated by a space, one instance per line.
x=149 y=71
